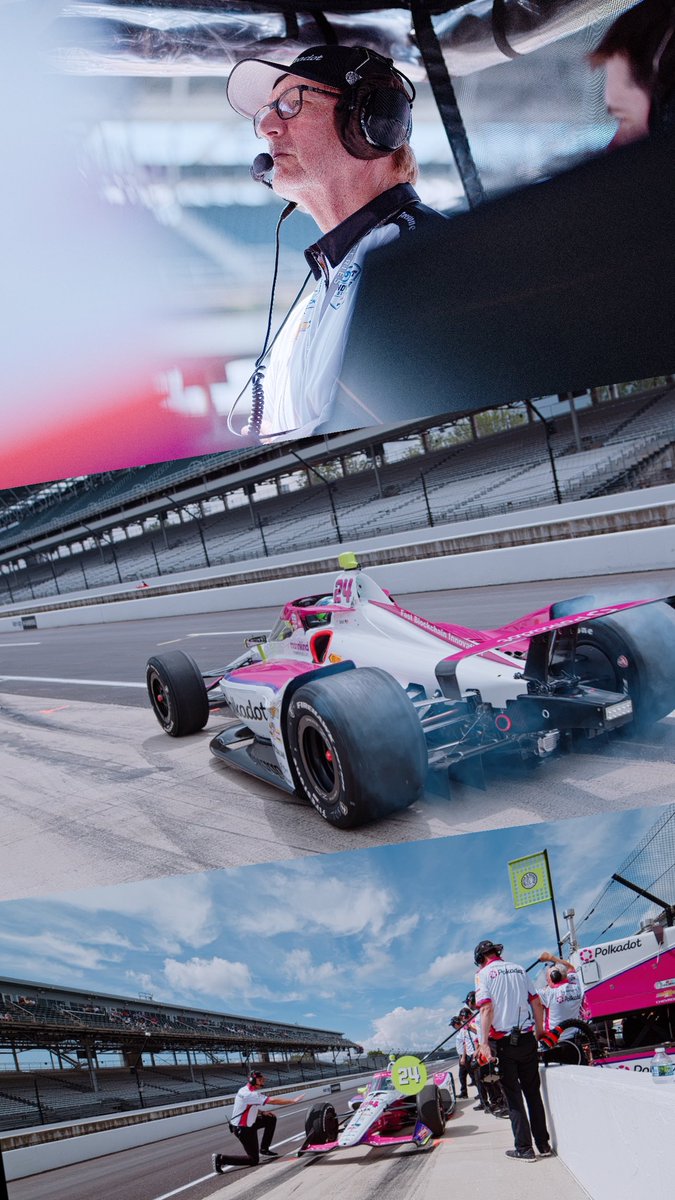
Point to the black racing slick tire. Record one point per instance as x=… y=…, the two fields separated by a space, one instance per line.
x=430 y=1109
x=321 y=1125
x=177 y=693
x=632 y=652
x=356 y=746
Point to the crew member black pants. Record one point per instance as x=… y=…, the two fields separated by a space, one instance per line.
x=519 y=1073
x=249 y=1139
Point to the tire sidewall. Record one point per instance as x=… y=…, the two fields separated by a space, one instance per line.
x=302 y=714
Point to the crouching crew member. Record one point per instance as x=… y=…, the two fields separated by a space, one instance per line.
x=508 y=1028
x=247 y=1118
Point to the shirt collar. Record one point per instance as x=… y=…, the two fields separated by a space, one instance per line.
x=334 y=245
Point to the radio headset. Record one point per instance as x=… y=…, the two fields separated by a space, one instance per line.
x=662 y=110
x=374 y=119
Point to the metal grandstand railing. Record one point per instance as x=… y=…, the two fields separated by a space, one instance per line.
x=617 y=911
x=43 y=1098
x=500 y=474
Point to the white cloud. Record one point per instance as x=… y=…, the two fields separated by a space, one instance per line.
x=211 y=977
x=408 y=1029
x=177 y=912
x=457 y=964
x=311 y=903
x=40 y=948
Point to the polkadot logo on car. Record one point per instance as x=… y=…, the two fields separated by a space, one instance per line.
x=587 y=955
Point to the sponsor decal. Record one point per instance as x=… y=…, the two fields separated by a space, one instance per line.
x=587 y=955
x=619 y=947
x=622 y=661
x=663 y=983
x=453 y=638
x=335 y=658
x=249 y=711
x=349 y=276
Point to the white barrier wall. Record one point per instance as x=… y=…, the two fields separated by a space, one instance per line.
x=74 y=1148
x=606 y=554
x=612 y=1129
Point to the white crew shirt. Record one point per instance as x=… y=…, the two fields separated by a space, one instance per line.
x=562 y=1002
x=506 y=985
x=467 y=1041
x=300 y=382
x=247 y=1104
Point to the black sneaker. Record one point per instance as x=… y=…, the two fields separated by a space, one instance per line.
x=479 y=1108
x=215 y=1161
x=525 y=1155
x=500 y=1112
x=269 y=1153
x=463 y=1096
x=547 y=1152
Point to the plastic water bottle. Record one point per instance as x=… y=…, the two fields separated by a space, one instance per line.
x=662 y=1066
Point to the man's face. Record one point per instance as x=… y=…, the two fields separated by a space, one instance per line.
x=309 y=157
x=626 y=101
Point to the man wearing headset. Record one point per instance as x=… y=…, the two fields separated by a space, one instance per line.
x=337 y=121
x=638 y=54
x=510 y=1013
x=245 y=1121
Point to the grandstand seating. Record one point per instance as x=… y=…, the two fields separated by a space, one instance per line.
x=502 y=472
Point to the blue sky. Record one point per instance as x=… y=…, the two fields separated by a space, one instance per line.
x=375 y=943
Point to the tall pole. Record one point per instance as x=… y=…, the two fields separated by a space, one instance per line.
x=551 y=457
x=555 y=911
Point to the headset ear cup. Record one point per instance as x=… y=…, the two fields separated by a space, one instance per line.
x=374 y=121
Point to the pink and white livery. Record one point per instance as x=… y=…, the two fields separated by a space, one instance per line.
x=377 y=1116
x=629 y=996
x=351 y=700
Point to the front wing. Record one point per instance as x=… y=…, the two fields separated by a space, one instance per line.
x=421 y=1137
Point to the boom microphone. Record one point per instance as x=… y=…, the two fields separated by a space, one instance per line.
x=261 y=168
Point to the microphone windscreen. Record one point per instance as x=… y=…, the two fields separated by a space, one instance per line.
x=262 y=165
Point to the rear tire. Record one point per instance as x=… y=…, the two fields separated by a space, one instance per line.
x=177 y=693
x=632 y=652
x=430 y=1109
x=356 y=746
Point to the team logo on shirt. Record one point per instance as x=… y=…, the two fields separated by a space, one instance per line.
x=349 y=276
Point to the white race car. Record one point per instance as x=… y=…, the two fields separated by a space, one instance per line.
x=351 y=700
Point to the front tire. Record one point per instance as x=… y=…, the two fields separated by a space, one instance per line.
x=177 y=693
x=430 y=1109
x=632 y=652
x=356 y=745
x=321 y=1125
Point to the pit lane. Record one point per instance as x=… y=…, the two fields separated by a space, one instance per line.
x=467 y=1161
x=94 y=793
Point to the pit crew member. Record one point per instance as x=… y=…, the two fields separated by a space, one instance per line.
x=245 y=1121
x=510 y=1014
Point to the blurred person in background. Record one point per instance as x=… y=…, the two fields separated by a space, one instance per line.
x=638 y=55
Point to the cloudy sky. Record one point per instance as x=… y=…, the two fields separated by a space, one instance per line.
x=375 y=943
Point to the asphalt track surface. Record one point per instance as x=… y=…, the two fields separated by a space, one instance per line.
x=467 y=1161
x=95 y=793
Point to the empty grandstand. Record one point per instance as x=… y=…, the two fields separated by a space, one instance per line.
x=123 y=526
x=111 y=1053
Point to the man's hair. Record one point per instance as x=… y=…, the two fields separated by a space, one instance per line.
x=405 y=164
x=638 y=35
